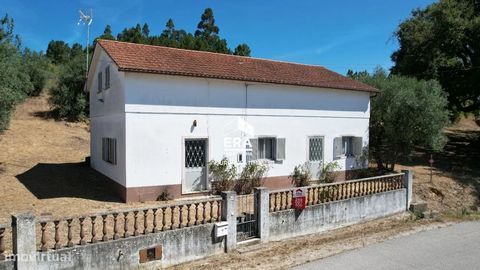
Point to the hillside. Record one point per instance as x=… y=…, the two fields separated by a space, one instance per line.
x=42 y=169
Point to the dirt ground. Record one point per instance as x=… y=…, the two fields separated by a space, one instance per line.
x=42 y=169
x=291 y=252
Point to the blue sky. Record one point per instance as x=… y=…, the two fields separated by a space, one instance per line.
x=340 y=35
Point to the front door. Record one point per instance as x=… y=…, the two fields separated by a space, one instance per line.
x=315 y=155
x=195 y=173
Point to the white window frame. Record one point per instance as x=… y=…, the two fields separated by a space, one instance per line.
x=347 y=146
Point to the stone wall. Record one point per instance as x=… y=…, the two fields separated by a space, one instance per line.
x=327 y=216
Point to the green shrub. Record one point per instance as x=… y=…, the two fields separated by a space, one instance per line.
x=328 y=172
x=252 y=175
x=301 y=175
x=67 y=98
x=14 y=84
x=222 y=175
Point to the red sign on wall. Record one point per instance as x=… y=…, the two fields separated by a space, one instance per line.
x=298 y=199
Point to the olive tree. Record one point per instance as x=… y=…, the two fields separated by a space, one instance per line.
x=405 y=113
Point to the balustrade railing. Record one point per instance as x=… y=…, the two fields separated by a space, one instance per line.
x=5 y=241
x=113 y=225
x=317 y=194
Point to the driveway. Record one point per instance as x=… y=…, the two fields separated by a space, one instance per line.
x=455 y=247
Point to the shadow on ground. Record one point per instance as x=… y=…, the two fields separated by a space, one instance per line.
x=77 y=180
x=460 y=158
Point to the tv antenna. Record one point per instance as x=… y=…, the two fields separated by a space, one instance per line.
x=87 y=21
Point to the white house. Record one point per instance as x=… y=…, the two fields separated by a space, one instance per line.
x=159 y=114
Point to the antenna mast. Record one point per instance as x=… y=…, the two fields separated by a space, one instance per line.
x=86 y=20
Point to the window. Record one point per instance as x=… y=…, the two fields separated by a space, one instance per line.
x=109 y=150
x=100 y=83
x=267 y=148
x=315 y=149
x=347 y=146
x=107 y=77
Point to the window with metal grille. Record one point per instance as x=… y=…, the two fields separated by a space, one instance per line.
x=100 y=83
x=195 y=153
x=109 y=150
x=315 y=149
x=107 y=77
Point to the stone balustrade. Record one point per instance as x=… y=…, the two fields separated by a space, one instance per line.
x=317 y=194
x=82 y=230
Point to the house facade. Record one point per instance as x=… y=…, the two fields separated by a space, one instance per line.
x=158 y=115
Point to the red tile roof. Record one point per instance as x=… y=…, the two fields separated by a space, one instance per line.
x=133 y=57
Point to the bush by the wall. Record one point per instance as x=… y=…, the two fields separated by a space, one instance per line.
x=301 y=175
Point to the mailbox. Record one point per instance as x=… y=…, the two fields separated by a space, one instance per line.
x=221 y=229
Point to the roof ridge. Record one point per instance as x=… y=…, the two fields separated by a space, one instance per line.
x=216 y=53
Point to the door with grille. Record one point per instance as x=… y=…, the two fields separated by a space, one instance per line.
x=315 y=155
x=195 y=171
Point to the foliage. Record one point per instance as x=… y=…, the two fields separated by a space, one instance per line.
x=205 y=38
x=67 y=98
x=15 y=84
x=406 y=113
x=442 y=42
x=37 y=67
x=301 y=175
x=107 y=33
x=252 y=175
x=327 y=174
x=223 y=175
x=165 y=196
x=242 y=50
x=58 y=51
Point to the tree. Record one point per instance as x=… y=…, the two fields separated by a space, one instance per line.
x=206 y=36
x=37 y=67
x=406 y=113
x=442 y=42
x=15 y=84
x=242 y=50
x=206 y=26
x=58 y=51
x=67 y=98
x=107 y=33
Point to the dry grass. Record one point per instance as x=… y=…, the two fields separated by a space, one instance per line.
x=455 y=183
x=42 y=170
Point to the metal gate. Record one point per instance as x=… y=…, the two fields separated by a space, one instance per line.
x=247 y=225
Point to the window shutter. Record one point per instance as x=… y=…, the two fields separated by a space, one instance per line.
x=254 y=144
x=280 y=149
x=337 y=147
x=107 y=77
x=100 y=83
x=357 y=146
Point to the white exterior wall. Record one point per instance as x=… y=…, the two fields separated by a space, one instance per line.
x=160 y=110
x=107 y=118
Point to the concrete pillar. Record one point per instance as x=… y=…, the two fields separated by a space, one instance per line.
x=408 y=183
x=24 y=241
x=229 y=214
x=262 y=205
